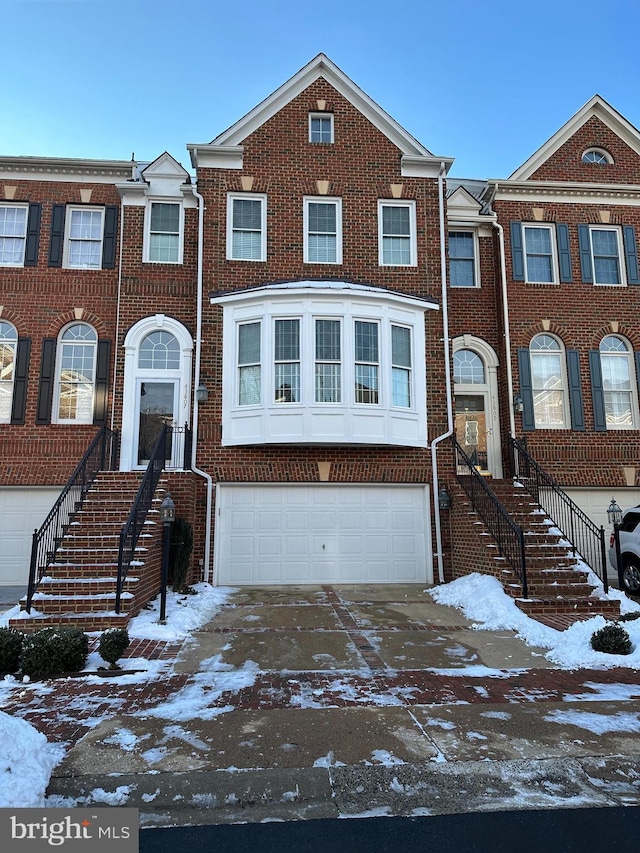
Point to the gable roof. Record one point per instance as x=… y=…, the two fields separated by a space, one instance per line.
x=320 y=66
x=596 y=106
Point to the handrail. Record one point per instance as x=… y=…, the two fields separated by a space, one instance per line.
x=132 y=528
x=508 y=535
x=587 y=540
x=100 y=455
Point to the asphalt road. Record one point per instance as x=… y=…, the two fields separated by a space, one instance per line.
x=555 y=831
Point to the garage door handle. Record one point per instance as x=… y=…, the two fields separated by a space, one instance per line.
x=323 y=547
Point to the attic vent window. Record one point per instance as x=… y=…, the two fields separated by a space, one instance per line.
x=321 y=127
x=596 y=155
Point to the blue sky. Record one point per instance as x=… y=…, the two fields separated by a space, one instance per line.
x=486 y=83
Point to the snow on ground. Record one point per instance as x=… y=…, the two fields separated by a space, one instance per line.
x=26 y=762
x=482 y=599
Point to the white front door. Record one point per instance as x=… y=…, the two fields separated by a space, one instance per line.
x=314 y=534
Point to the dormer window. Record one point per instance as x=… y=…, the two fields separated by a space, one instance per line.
x=597 y=156
x=164 y=232
x=321 y=127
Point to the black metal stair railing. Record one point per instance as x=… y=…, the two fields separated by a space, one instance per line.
x=132 y=528
x=101 y=455
x=587 y=540
x=508 y=535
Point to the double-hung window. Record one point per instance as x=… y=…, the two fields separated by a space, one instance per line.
x=83 y=239
x=164 y=232
x=8 y=350
x=321 y=127
x=539 y=254
x=287 y=361
x=328 y=368
x=605 y=255
x=401 y=366
x=322 y=231
x=75 y=375
x=13 y=234
x=462 y=259
x=397 y=233
x=367 y=362
x=246 y=228
x=617 y=374
x=548 y=382
x=249 y=364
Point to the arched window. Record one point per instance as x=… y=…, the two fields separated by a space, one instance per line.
x=597 y=156
x=548 y=382
x=8 y=349
x=617 y=382
x=468 y=368
x=159 y=351
x=76 y=374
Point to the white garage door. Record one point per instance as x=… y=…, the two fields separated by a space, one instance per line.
x=322 y=534
x=22 y=510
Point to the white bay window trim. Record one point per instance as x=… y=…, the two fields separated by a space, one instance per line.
x=322 y=403
x=246 y=238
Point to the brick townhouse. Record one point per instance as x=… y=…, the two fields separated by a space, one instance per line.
x=314 y=313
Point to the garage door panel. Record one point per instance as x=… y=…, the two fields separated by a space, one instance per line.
x=321 y=534
x=22 y=510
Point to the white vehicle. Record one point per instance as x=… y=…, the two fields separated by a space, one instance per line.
x=629 y=532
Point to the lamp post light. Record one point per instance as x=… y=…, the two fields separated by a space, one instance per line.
x=444 y=498
x=167 y=516
x=614 y=515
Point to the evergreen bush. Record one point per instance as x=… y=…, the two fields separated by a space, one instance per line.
x=612 y=639
x=10 y=650
x=630 y=617
x=112 y=645
x=53 y=651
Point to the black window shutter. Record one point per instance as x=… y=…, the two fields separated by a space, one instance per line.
x=564 y=253
x=45 y=389
x=517 y=251
x=33 y=235
x=575 y=390
x=526 y=390
x=56 y=242
x=631 y=254
x=597 y=391
x=109 y=238
x=102 y=382
x=20 y=381
x=584 y=241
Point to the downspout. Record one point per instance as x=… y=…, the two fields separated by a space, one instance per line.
x=196 y=382
x=507 y=333
x=118 y=304
x=447 y=375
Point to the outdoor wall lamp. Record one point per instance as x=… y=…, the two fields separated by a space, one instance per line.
x=518 y=403
x=202 y=393
x=444 y=498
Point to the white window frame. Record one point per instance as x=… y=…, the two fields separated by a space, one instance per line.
x=621 y=255
x=11 y=342
x=56 y=417
x=146 y=257
x=608 y=159
x=262 y=198
x=71 y=209
x=633 y=393
x=329 y=200
x=22 y=237
x=326 y=117
x=555 y=277
x=475 y=259
x=564 y=385
x=413 y=245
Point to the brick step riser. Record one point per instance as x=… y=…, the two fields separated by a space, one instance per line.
x=90 y=586
x=92 y=622
x=61 y=605
x=576 y=590
x=598 y=608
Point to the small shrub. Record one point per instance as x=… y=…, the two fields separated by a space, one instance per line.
x=612 y=639
x=630 y=617
x=112 y=645
x=10 y=650
x=53 y=651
